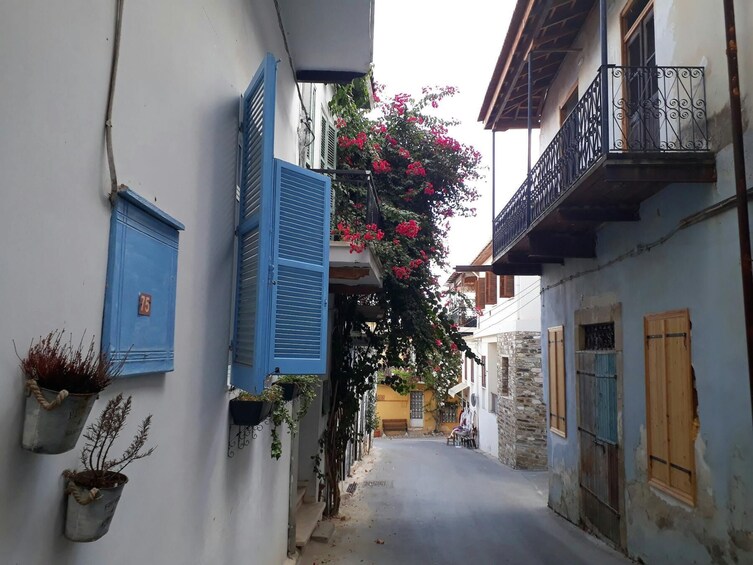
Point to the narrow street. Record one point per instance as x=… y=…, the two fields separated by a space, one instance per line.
x=434 y=504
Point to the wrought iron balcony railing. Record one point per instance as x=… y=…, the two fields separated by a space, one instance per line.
x=645 y=110
x=354 y=197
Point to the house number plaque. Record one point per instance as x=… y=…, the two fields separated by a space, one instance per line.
x=145 y=304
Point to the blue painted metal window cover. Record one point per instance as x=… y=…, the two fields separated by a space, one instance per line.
x=282 y=273
x=301 y=284
x=252 y=308
x=142 y=259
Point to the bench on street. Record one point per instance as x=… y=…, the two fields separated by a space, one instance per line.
x=395 y=426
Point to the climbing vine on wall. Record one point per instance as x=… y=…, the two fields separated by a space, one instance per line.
x=423 y=177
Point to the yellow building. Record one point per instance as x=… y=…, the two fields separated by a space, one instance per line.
x=417 y=409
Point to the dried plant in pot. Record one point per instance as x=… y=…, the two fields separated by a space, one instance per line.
x=94 y=492
x=62 y=382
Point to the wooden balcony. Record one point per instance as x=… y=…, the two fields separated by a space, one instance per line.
x=616 y=149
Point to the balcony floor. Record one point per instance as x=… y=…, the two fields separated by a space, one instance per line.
x=611 y=190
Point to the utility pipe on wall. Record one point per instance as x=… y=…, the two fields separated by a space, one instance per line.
x=738 y=151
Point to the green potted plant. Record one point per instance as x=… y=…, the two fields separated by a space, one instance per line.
x=303 y=386
x=252 y=409
x=94 y=492
x=62 y=382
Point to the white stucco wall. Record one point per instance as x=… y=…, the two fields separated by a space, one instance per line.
x=522 y=312
x=183 y=65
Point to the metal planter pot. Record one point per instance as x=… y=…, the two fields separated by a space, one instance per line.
x=90 y=521
x=56 y=430
x=289 y=391
x=249 y=412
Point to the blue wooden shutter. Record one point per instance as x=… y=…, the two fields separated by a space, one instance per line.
x=254 y=231
x=299 y=295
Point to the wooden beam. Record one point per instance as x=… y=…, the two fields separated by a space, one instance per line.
x=348 y=273
x=516 y=269
x=523 y=257
x=599 y=214
x=354 y=289
x=562 y=244
x=472 y=268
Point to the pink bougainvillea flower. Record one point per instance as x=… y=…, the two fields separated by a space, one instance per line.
x=401 y=273
x=416 y=169
x=403 y=153
x=454 y=346
x=408 y=229
x=381 y=166
x=438 y=342
x=340 y=123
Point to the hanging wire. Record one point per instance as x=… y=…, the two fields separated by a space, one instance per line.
x=114 y=187
x=307 y=122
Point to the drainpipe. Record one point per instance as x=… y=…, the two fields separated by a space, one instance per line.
x=530 y=125
x=604 y=76
x=293 y=484
x=494 y=177
x=738 y=151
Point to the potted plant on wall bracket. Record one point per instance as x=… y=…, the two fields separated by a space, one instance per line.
x=252 y=409
x=94 y=492
x=306 y=387
x=62 y=382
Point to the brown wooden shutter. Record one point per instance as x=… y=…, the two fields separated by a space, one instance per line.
x=480 y=293
x=483 y=371
x=507 y=286
x=491 y=288
x=669 y=403
x=557 y=399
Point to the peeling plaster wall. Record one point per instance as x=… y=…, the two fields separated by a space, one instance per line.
x=697 y=268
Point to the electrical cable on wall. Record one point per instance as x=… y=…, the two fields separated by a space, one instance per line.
x=307 y=122
x=700 y=216
x=114 y=187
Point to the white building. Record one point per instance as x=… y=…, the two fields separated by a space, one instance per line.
x=504 y=392
x=182 y=69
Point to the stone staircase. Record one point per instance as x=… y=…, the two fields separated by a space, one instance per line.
x=307 y=517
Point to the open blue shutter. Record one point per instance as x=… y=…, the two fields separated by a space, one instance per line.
x=254 y=231
x=299 y=296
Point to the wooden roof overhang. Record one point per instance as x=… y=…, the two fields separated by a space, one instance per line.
x=546 y=27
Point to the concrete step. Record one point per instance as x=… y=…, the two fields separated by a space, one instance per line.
x=295 y=560
x=323 y=532
x=299 y=497
x=306 y=519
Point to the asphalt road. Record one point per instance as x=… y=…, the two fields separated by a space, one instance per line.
x=433 y=504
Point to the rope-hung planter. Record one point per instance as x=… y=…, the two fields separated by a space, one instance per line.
x=62 y=379
x=53 y=420
x=92 y=494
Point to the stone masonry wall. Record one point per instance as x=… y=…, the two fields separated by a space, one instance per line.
x=522 y=412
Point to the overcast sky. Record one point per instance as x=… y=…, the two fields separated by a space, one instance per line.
x=445 y=42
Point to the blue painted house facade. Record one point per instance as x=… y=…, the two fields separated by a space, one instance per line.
x=207 y=269
x=628 y=216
